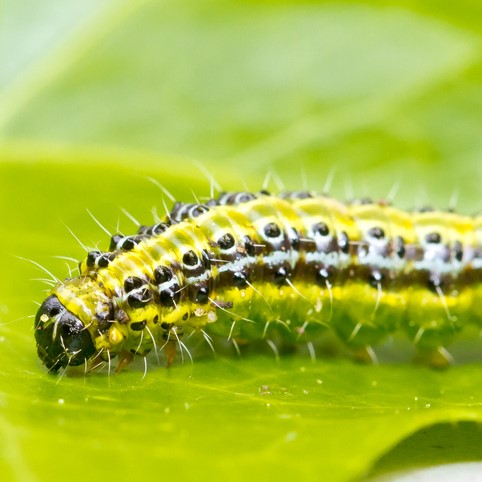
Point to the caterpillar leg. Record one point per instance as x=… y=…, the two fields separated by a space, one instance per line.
x=437 y=357
x=433 y=321
x=170 y=349
x=95 y=362
x=125 y=357
x=360 y=336
x=364 y=354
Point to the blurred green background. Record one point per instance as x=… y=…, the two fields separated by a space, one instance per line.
x=97 y=95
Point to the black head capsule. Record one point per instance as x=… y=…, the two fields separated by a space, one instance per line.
x=61 y=337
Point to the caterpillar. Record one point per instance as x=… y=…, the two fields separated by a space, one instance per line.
x=245 y=263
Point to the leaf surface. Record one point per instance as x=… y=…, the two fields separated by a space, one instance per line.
x=113 y=92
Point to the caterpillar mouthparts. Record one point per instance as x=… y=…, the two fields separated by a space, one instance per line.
x=246 y=265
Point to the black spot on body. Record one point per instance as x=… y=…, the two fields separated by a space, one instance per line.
x=128 y=243
x=226 y=241
x=202 y=295
x=179 y=211
x=240 y=279
x=458 y=251
x=190 y=258
x=376 y=232
x=325 y=274
x=281 y=275
x=321 y=229
x=206 y=259
x=162 y=274
x=138 y=325
x=132 y=283
x=104 y=259
x=159 y=228
x=399 y=246
x=294 y=239
x=375 y=279
x=434 y=283
x=244 y=197
x=103 y=326
x=296 y=195
x=91 y=258
x=344 y=242
x=272 y=230
x=114 y=241
x=153 y=230
x=233 y=198
x=249 y=246
x=139 y=299
x=170 y=296
x=197 y=210
x=182 y=211
x=433 y=238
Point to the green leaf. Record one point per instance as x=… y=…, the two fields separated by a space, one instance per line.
x=97 y=96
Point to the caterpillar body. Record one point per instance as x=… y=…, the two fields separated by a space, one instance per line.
x=245 y=262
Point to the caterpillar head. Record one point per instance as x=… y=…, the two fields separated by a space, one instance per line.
x=62 y=339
